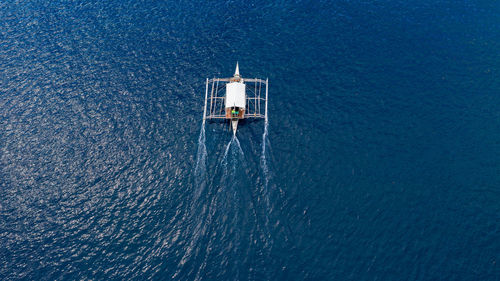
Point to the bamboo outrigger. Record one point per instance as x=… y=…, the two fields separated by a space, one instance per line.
x=242 y=99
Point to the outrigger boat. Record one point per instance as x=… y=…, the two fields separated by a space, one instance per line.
x=242 y=99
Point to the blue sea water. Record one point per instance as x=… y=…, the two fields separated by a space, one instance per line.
x=382 y=159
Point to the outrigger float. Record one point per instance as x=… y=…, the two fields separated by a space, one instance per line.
x=242 y=99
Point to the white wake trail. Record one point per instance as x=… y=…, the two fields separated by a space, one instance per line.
x=235 y=140
x=200 y=170
x=263 y=159
x=239 y=145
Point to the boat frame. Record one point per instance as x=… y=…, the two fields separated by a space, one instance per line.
x=256 y=101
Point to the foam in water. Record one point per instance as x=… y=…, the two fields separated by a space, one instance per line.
x=223 y=194
x=196 y=213
x=239 y=146
x=235 y=154
x=263 y=160
x=200 y=170
x=234 y=139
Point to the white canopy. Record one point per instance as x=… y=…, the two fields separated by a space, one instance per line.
x=235 y=95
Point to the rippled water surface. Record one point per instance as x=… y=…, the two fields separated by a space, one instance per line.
x=381 y=160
